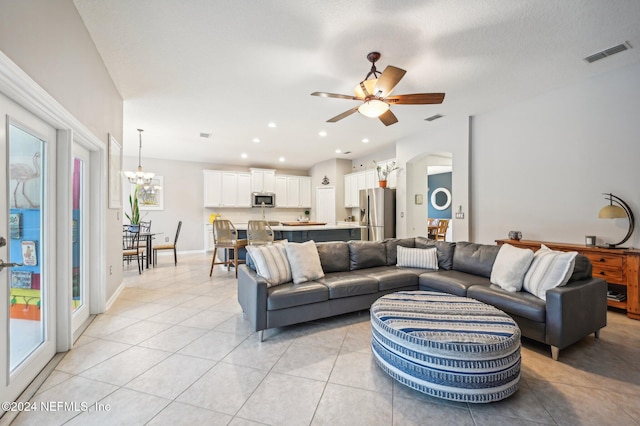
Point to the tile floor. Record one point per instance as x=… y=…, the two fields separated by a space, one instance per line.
x=174 y=349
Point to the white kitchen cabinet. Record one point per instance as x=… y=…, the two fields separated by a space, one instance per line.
x=305 y=191
x=263 y=180
x=362 y=180
x=226 y=189
x=212 y=188
x=371 y=179
x=293 y=191
x=243 y=190
x=281 y=191
x=351 y=190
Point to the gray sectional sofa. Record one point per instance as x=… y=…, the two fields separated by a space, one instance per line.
x=358 y=272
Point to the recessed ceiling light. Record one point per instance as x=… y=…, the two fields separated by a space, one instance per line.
x=244 y=155
x=338 y=151
x=272 y=124
x=365 y=140
x=281 y=159
x=255 y=140
x=322 y=133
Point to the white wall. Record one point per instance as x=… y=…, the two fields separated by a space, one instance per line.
x=540 y=166
x=449 y=135
x=48 y=40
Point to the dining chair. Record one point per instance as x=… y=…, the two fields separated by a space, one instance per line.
x=157 y=247
x=259 y=232
x=441 y=231
x=225 y=236
x=131 y=247
x=145 y=228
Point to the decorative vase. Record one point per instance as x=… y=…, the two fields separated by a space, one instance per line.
x=382 y=183
x=515 y=235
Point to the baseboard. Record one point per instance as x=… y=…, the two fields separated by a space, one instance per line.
x=114 y=297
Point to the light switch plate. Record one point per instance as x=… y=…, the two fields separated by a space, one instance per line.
x=459 y=215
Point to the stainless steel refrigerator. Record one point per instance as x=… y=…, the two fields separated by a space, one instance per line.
x=378 y=213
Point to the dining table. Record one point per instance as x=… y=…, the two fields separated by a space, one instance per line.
x=148 y=237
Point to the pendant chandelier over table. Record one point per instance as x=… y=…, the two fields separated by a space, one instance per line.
x=139 y=177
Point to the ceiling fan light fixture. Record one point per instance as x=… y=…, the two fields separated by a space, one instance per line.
x=373 y=108
x=370 y=85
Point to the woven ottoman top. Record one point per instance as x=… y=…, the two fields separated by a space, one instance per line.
x=446 y=346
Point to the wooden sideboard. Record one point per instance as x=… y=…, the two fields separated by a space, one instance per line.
x=619 y=267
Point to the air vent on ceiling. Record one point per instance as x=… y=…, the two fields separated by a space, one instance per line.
x=347 y=152
x=608 y=52
x=433 y=117
x=205 y=135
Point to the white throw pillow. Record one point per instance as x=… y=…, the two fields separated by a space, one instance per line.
x=510 y=266
x=305 y=261
x=418 y=258
x=271 y=263
x=548 y=270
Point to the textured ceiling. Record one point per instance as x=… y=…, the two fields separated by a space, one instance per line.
x=230 y=67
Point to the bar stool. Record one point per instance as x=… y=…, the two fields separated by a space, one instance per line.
x=225 y=236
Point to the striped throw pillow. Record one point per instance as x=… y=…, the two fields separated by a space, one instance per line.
x=418 y=258
x=271 y=263
x=548 y=270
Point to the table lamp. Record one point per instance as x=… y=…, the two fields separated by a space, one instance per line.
x=621 y=210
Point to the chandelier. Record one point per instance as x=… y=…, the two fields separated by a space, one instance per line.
x=139 y=177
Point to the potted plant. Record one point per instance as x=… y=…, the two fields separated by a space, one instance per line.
x=384 y=172
x=134 y=218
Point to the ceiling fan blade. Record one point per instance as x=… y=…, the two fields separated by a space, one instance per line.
x=335 y=95
x=388 y=118
x=343 y=115
x=388 y=80
x=416 y=99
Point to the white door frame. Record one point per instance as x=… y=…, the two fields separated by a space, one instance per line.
x=22 y=89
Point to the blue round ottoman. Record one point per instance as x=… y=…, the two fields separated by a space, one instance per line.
x=446 y=346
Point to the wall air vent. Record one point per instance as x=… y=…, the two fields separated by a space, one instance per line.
x=205 y=135
x=608 y=52
x=434 y=117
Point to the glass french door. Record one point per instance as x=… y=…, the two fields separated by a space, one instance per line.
x=80 y=237
x=27 y=218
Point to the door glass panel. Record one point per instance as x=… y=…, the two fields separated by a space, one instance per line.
x=77 y=284
x=26 y=218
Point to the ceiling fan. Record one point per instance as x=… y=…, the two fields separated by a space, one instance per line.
x=375 y=94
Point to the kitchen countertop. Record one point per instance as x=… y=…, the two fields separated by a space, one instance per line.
x=243 y=227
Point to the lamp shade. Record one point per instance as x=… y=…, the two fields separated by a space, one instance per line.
x=370 y=85
x=373 y=108
x=617 y=209
x=612 y=212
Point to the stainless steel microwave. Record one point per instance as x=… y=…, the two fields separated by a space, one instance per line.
x=267 y=199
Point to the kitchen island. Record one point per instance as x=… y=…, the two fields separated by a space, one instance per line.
x=319 y=233
x=344 y=231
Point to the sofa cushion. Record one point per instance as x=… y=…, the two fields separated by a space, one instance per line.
x=392 y=247
x=476 y=259
x=445 y=251
x=304 y=261
x=582 y=269
x=271 y=263
x=452 y=282
x=518 y=303
x=418 y=258
x=548 y=270
x=391 y=277
x=334 y=256
x=366 y=254
x=289 y=295
x=510 y=266
x=346 y=284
